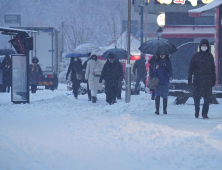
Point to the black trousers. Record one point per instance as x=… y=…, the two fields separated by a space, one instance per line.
x=153 y=93
x=33 y=88
x=75 y=87
x=118 y=94
x=5 y=88
x=88 y=91
x=111 y=93
x=206 y=104
x=139 y=78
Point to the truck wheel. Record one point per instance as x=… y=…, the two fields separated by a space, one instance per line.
x=52 y=87
x=56 y=82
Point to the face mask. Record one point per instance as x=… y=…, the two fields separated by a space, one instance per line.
x=35 y=61
x=75 y=59
x=111 y=60
x=203 y=48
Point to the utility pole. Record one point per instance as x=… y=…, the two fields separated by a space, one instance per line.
x=146 y=22
x=141 y=24
x=63 y=36
x=128 y=66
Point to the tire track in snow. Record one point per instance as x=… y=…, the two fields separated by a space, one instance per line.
x=32 y=161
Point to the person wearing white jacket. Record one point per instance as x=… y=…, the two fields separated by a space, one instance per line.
x=93 y=73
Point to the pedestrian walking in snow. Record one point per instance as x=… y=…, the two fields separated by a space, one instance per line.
x=163 y=70
x=1 y=77
x=112 y=73
x=141 y=72
x=35 y=73
x=7 y=73
x=93 y=73
x=119 y=91
x=75 y=67
x=152 y=74
x=202 y=68
x=86 y=81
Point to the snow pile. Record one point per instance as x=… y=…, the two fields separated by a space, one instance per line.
x=56 y=132
x=216 y=132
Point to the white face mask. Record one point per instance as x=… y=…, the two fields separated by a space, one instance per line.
x=75 y=59
x=203 y=48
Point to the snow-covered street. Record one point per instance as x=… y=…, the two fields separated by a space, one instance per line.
x=57 y=132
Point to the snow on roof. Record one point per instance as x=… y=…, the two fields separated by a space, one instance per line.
x=189 y=30
x=15 y=30
x=207 y=7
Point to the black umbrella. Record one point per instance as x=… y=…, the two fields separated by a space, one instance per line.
x=118 y=52
x=157 y=47
x=7 y=51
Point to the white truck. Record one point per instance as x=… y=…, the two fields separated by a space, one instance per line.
x=47 y=48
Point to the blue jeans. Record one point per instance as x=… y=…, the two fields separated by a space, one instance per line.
x=162 y=90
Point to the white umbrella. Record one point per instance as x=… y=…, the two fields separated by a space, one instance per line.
x=86 y=48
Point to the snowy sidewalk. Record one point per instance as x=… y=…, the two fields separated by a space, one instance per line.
x=56 y=132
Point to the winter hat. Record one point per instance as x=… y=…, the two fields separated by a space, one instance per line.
x=112 y=56
x=35 y=60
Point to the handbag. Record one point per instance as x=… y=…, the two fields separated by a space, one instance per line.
x=153 y=83
x=78 y=76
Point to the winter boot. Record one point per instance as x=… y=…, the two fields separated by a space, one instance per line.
x=165 y=106
x=93 y=99
x=157 y=103
x=205 y=116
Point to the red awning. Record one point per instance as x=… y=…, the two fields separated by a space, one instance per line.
x=188 y=31
x=197 y=12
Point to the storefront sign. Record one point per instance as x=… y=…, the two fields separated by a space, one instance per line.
x=182 y=2
x=161 y=20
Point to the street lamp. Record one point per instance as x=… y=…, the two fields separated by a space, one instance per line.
x=159 y=32
x=146 y=2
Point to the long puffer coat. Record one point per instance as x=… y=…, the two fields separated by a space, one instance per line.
x=35 y=72
x=112 y=73
x=202 y=67
x=74 y=67
x=96 y=66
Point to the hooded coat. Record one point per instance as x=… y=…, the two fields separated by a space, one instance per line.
x=96 y=66
x=35 y=72
x=74 y=67
x=202 y=68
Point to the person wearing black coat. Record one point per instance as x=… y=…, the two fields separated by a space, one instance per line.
x=35 y=72
x=112 y=73
x=202 y=68
x=7 y=73
x=141 y=71
x=75 y=67
x=86 y=81
x=152 y=74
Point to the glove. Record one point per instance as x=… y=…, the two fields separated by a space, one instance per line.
x=100 y=80
x=189 y=81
